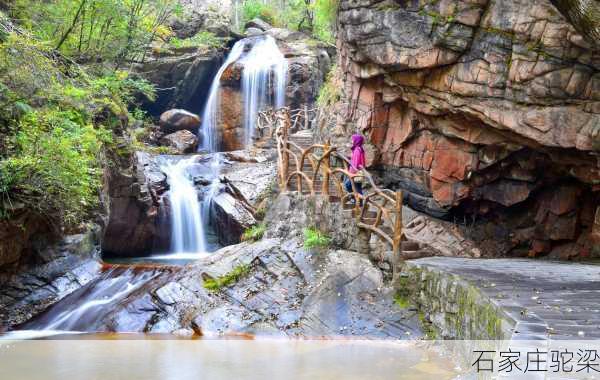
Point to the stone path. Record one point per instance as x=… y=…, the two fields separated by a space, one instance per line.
x=546 y=299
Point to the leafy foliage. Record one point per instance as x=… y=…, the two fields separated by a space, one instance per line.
x=92 y=30
x=314 y=16
x=200 y=39
x=258 y=9
x=313 y=238
x=215 y=284
x=254 y=233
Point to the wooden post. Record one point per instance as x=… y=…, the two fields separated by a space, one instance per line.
x=306 y=117
x=325 y=165
x=397 y=238
x=285 y=156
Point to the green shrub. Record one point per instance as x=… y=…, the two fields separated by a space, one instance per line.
x=99 y=30
x=55 y=169
x=215 y=284
x=313 y=238
x=330 y=92
x=325 y=19
x=257 y=9
x=254 y=233
x=201 y=39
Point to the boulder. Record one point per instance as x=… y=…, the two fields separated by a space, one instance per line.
x=259 y=24
x=251 y=32
x=182 y=141
x=175 y=120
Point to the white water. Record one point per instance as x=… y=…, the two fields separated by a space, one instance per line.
x=210 y=117
x=187 y=229
x=264 y=79
x=263 y=62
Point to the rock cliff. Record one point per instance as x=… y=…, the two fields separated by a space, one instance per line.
x=483 y=111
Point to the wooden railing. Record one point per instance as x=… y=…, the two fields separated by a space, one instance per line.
x=321 y=169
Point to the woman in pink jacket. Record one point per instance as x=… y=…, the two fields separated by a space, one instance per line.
x=357 y=162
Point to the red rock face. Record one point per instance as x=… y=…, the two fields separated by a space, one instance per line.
x=489 y=108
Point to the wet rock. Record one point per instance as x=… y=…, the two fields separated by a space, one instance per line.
x=176 y=120
x=182 y=141
x=60 y=269
x=286 y=291
x=259 y=24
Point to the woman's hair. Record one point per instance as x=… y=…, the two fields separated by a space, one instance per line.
x=357 y=140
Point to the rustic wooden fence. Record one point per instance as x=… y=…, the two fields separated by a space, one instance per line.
x=320 y=169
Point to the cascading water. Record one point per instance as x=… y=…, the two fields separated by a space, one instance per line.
x=187 y=230
x=210 y=117
x=264 y=80
x=263 y=62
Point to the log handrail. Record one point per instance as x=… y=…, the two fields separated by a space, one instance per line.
x=385 y=203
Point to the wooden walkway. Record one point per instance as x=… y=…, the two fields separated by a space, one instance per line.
x=311 y=169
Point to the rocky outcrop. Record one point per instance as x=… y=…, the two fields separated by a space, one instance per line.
x=182 y=77
x=309 y=61
x=134 y=195
x=19 y=238
x=203 y=15
x=247 y=178
x=482 y=110
x=231 y=214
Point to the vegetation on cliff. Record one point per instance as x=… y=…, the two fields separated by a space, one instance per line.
x=316 y=17
x=56 y=119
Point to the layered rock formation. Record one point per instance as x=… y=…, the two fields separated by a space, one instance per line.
x=488 y=111
x=134 y=194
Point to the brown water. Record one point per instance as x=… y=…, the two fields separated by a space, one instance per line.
x=123 y=356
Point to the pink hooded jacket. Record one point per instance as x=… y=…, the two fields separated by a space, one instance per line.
x=358 y=154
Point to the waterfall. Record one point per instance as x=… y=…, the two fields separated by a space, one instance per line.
x=210 y=117
x=187 y=230
x=264 y=80
x=260 y=64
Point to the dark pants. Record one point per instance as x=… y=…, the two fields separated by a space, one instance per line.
x=357 y=185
